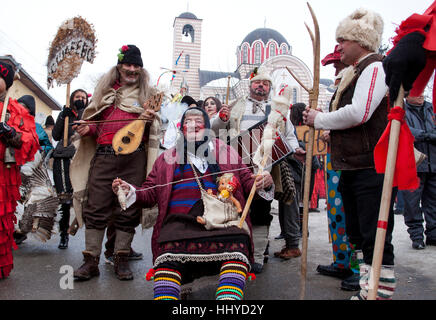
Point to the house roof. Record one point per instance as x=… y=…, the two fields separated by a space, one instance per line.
x=208 y=76
x=34 y=86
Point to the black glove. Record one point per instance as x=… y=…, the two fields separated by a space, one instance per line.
x=430 y=136
x=404 y=63
x=67 y=112
x=6 y=130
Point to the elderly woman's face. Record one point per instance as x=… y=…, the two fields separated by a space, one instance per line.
x=193 y=127
x=210 y=107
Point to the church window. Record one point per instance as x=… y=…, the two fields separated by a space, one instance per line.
x=245 y=54
x=272 y=50
x=257 y=53
x=284 y=49
x=187 y=61
x=294 y=95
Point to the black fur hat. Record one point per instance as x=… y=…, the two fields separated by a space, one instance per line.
x=130 y=54
x=7 y=73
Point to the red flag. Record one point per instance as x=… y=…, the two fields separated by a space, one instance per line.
x=405 y=176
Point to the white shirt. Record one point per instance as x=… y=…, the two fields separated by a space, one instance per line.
x=370 y=91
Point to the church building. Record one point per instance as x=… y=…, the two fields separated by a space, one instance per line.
x=262 y=46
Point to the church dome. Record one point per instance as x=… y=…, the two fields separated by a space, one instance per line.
x=265 y=34
x=188 y=15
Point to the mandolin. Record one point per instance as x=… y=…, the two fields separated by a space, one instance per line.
x=128 y=138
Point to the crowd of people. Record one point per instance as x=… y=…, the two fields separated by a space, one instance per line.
x=193 y=187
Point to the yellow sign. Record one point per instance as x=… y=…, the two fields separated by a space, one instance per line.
x=319 y=147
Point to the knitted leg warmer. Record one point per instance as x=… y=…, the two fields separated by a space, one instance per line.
x=232 y=281
x=167 y=283
x=386 y=286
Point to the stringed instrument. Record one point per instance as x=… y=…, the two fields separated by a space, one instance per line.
x=128 y=138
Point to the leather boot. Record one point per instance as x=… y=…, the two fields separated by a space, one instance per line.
x=121 y=265
x=89 y=269
x=93 y=240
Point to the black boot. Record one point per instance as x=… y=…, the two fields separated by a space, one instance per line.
x=63 y=243
x=64 y=224
x=351 y=283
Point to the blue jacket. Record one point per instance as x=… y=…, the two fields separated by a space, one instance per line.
x=421 y=121
x=44 y=140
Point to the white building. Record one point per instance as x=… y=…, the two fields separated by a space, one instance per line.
x=262 y=46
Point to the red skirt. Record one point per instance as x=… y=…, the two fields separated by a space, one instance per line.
x=10 y=181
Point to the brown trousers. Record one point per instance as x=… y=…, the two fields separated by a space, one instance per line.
x=102 y=205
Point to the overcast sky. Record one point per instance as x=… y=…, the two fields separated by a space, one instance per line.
x=27 y=28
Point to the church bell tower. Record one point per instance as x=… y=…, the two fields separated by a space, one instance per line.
x=186 y=53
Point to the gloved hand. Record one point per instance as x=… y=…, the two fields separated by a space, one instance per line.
x=67 y=112
x=404 y=63
x=6 y=130
x=430 y=136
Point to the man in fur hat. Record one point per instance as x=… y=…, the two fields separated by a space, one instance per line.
x=247 y=112
x=119 y=95
x=359 y=114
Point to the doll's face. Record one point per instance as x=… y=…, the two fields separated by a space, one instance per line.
x=222 y=184
x=230 y=188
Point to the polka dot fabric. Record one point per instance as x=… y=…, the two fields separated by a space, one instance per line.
x=336 y=219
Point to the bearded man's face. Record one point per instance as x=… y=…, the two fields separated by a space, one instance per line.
x=259 y=89
x=129 y=73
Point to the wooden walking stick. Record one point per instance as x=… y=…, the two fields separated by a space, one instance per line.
x=74 y=43
x=252 y=192
x=313 y=103
x=9 y=156
x=67 y=105
x=391 y=160
x=228 y=90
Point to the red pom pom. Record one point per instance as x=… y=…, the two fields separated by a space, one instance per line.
x=251 y=276
x=124 y=48
x=150 y=275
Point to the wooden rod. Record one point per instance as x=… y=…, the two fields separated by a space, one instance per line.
x=385 y=204
x=67 y=105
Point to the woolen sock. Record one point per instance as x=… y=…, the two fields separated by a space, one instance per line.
x=167 y=283
x=233 y=275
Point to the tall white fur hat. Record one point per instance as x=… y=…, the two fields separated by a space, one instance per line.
x=363 y=26
x=261 y=73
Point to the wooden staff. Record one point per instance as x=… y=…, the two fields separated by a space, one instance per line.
x=5 y=106
x=385 y=202
x=252 y=192
x=67 y=105
x=228 y=89
x=313 y=103
x=8 y=95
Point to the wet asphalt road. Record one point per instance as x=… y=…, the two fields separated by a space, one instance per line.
x=38 y=271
